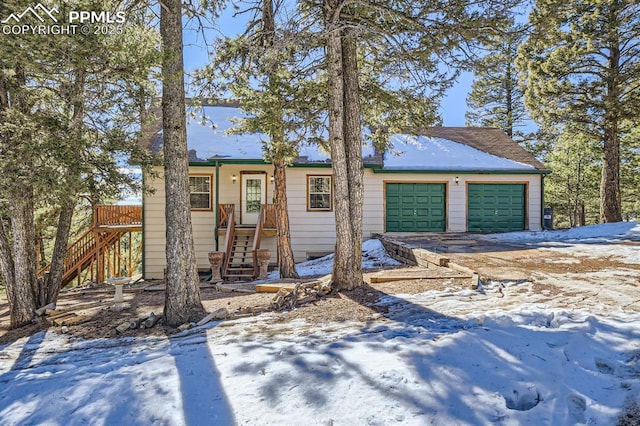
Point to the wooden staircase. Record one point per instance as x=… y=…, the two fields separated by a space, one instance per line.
x=242 y=244
x=98 y=251
x=241 y=264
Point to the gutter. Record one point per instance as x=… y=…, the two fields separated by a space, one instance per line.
x=463 y=172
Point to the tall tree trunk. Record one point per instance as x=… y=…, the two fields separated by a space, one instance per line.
x=24 y=293
x=182 y=300
x=353 y=142
x=52 y=282
x=7 y=267
x=286 y=261
x=610 y=203
x=344 y=236
x=509 y=100
x=344 y=127
x=610 y=206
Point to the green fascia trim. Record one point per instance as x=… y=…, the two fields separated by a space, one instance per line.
x=463 y=172
x=212 y=163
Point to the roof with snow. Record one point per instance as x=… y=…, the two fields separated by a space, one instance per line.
x=434 y=149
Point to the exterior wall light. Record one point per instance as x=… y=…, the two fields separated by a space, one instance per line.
x=233 y=178
x=457 y=180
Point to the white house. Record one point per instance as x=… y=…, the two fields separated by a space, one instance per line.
x=461 y=179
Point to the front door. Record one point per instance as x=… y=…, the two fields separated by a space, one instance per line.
x=253 y=195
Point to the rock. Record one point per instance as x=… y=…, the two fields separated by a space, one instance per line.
x=119 y=307
x=150 y=321
x=43 y=310
x=123 y=327
x=184 y=327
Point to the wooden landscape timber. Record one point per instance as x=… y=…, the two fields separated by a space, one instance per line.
x=416 y=274
x=409 y=255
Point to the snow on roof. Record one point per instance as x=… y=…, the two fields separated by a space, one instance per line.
x=411 y=152
x=209 y=137
x=444 y=148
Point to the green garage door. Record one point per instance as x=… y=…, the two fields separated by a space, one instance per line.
x=415 y=207
x=495 y=207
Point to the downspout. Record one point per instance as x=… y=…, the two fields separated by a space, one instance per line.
x=216 y=204
x=542 y=202
x=144 y=248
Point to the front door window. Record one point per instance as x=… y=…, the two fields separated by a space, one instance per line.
x=253 y=195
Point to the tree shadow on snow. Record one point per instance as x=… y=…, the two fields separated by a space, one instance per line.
x=73 y=385
x=204 y=401
x=422 y=366
x=469 y=371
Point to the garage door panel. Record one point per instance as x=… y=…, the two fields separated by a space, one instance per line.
x=495 y=207
x=415 y=207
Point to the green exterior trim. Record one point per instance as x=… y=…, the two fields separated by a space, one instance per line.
x=463 y=172
x=261 y=162
x=212 y=163
x=542 y=203
x=144 y=249
x=216 y=206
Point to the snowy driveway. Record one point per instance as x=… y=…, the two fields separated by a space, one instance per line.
x=596 y=267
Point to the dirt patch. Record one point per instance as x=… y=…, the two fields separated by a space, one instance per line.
x=96 y=303
x=521 y=264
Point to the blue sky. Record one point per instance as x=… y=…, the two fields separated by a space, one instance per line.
x=452 y=108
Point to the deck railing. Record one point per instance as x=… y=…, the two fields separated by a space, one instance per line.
x=268 y=215
x=224 y=213
x=117 y=215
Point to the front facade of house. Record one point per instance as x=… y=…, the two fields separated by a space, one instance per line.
x=425 y=184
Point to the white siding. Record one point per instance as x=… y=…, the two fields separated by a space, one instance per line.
x=203 y=222
x=313 y=232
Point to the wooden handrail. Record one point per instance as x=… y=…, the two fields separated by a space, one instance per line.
x=80 y=251
x=258 y=232
x=228 y=241
x=256 y=240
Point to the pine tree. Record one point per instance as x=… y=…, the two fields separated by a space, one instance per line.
x=572 y=189
x=65 y=111
x=581 y=67
x=182 y=297
x=413 y=32
x=264 y=70
x=495 y=99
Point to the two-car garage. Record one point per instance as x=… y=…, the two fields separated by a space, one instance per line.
x=422 y=207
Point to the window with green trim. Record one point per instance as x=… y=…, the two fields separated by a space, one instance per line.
x=319 y=193
x=200 y=192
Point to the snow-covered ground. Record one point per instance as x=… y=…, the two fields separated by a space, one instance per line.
x=373 y=257
x=502 y=354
